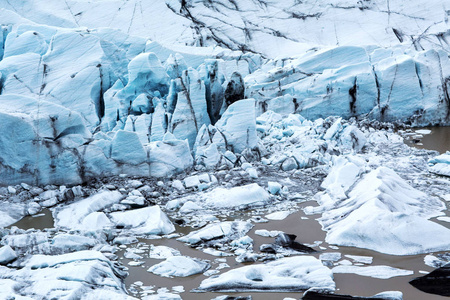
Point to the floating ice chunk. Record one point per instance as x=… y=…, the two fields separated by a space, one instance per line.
x=279 y=215
x=72 y=216
x=45 y=261
x=162 y=252
x=178 y=289
x=132 y=255
x=381 y=272
x=226 y=297
x=189 y=207
x=125 y=240
x=344 y=262
x=384 y=201
x=162 y=296
x=7 y=254
x=330 y=256
x=433 y=261
x=440 y=164
x=267 y=233
x=33 y=208
x=215 y=252
x=361 y=259
x=437 y=261
x=69 y=274
x=297 y=273
x=215 y=231
x=10 y=213
x=390 y=295
x=341 y=177
x=146 y=221
x=179 y=266
x=71 y=242
x=95 y=221
x=244 y=241
x=247 y=195
x=286 y=245
x=423 y=131
x=136 y=263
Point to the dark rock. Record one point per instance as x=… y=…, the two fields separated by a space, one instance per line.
x=235 y=89
x=68 y=195
x=285 y=241
x=268 y=248
x=288 y=241
x=313 y=295
x=437 y=282
x=214 y=91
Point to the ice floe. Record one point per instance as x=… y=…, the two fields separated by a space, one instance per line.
x=287 y=274
x=383 y=200
x=381 y=272
x=179 y=266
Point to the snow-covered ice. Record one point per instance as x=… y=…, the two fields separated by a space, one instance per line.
x=145 y=221
x=297 y=273
x=381 y=272
x=383 y=200
x=179 y=266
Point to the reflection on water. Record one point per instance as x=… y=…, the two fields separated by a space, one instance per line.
x=438 y=139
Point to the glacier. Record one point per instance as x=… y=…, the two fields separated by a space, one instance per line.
x=191 y=130
x=76 y=76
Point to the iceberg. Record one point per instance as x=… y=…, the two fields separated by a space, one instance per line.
x=293 y=274
x=383 y=200
x=179 y=266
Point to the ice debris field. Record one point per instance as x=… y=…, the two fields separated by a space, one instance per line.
x=180 y=149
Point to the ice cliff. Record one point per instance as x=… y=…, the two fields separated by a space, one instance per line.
x=152 y=88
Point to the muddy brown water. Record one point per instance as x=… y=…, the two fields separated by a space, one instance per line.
x=40 y=221
x=438 y=139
